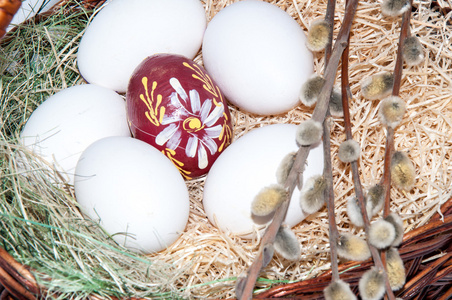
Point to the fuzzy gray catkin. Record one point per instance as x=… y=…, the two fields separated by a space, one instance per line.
x=284 y=168
x=267 y=254
x=391 y=111
x=309 y=132
x=312 y=196
x=397 y=222
x=381 y=234
x=371 y=285
x=349 y=151
x=412 y=52
x=377 y=86
x=402 y=171
x=318 y=35
x=335 y=103
x=268 y=200
x=338 y=290
x=395 y=269
x=310 y=90
x=354 y=211
x=286 y=244
x=375 y=199
x=393 y=8
x=352 y=247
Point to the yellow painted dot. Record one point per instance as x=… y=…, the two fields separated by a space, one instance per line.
x=192 y=124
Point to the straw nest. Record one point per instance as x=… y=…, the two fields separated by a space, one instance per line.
x=42 y=228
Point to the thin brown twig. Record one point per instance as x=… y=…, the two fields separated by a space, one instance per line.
x=329 y=193
x=333 y=63
x=345 y=94
x=386 y=181
x=380 y=261
x=389 y=148
x=245 y=285
x=375 y=253
x=329 y=18
x=355 y=172
x=328 y=168
x=398 y=68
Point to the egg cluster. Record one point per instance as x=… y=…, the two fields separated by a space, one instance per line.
x=128 y=159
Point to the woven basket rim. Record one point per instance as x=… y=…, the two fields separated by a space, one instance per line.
x=19 y=281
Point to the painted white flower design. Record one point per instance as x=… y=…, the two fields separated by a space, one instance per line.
x=196 y=120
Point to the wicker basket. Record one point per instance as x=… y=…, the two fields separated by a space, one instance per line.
x=426 y=250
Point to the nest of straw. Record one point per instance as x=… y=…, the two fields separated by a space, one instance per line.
x=49 y=249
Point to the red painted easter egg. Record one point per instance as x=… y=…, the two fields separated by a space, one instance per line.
x=174 y=105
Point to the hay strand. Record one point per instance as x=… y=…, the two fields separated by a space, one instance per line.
x=40 y=222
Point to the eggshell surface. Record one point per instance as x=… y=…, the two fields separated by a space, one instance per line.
x=137 y=194
x=174 y=105
x=256 y=52
x=65 y=124
x=244 y=169
x=127 y=31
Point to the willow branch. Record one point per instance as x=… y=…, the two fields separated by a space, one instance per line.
x=329 y=193
x=329 y=18
x=245 y=285
x=389 y=147
x=328 y=168
x=355 y=172
x=375 y=254
x=333 y=63
x=345 y=86
x=398 y=68
x=399 y=59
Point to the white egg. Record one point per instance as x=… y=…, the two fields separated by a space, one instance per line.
x=134 y=191
x=29 y=9
x=65 y=124
x=245 y=167
x=125 y=32
x=257 y=54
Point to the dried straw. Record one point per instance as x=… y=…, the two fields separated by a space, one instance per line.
x=41 y=226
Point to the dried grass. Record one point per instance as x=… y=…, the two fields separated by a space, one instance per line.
x=204 y=262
